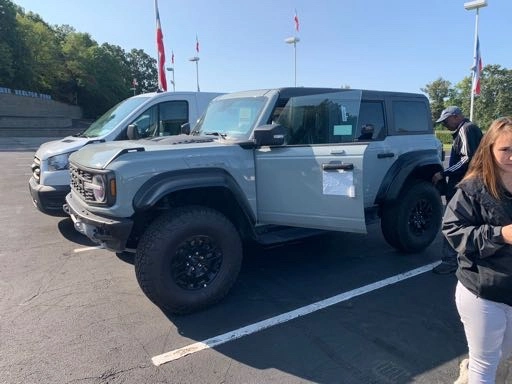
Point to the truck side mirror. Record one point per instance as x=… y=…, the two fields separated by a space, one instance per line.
x=270 y=134
x=185 y=129
x=132 y=132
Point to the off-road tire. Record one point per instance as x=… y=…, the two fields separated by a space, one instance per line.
x=188 y=259
x=412 y=222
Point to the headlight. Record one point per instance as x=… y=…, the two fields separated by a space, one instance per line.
x=58 y=162
x=98 y=188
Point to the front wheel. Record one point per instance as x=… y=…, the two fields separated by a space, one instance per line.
x=412 y=223
x=188 y=259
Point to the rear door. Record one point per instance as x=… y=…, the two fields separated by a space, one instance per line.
x=316 y=179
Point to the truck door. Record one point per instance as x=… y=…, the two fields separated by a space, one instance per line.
x=316 y=179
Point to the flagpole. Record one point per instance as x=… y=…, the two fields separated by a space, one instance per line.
x=474 y=69
x=196 y=60
x=294 y=40
x=474 y=4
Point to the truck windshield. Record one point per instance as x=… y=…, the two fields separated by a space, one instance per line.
x=231 y=118
x=110 y=119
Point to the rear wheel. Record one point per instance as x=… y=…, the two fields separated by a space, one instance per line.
x=412 y=223
x=188 y=259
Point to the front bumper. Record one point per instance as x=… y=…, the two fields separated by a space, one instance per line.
x=48 y=199
x=110 y=233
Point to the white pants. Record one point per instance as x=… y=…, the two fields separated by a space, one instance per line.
x=488 y=328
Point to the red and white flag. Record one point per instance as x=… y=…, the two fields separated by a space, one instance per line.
x=477 y=69
x=197 y=44
x=162 y=80
x=296 y=20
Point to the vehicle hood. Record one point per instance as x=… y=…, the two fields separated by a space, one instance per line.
x=57 y=147
x=100 y=155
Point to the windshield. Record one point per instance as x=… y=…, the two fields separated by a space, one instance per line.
x=231 y=118
x=110 y=119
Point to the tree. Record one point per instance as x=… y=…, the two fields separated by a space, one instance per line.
x=104 y=81
x=437 y=92
x=12 y=46
x=43 y=54
x=143 y=68
x=495 y=99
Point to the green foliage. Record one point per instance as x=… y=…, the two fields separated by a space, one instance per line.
x=11 y=45
x=68 y=65
x=445 y=136
x=437 y=91
x=494 y=101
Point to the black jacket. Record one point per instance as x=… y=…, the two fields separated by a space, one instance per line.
x=472 y=225
x=466 y=139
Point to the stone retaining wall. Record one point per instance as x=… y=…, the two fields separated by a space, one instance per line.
x=24 y=116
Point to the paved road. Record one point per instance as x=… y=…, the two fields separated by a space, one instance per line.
x=70 y=313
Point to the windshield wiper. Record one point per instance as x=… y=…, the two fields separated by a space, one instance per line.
x=81 y=134
x=223 y=135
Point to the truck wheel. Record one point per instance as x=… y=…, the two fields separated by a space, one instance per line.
x=188 y=259
x=413 y=222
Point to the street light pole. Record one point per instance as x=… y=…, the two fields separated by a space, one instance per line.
x=470 y=5
x=294 y=41
x=196 y=59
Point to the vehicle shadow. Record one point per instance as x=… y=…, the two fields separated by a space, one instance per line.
x=68 y=231
x=404 y=332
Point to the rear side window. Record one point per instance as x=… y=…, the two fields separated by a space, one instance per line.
x=410 y=117
x=371 y=124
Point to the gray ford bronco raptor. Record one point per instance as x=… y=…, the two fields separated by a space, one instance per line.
x=268 y=166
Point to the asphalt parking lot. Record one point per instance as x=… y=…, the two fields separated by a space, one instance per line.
x=73 y=313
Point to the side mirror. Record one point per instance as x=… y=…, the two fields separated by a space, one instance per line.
x=270 y=134
x=185 y=129
x=132 y=132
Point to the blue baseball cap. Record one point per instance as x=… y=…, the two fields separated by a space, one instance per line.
x=449 y=111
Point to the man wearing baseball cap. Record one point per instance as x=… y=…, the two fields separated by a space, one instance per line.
x=466 y=137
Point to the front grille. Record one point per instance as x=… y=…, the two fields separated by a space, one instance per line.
x=36 y=169
x=78 y=178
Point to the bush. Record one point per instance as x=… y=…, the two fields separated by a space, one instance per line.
x=444 y=135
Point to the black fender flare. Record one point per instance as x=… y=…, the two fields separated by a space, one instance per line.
x=422 y=163
x=161 y=185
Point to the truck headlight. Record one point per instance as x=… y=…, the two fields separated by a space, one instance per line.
x=99 y=190
x=97 y=186
x=58 y=162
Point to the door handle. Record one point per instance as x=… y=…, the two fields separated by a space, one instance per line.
x=384 y=155
x=335 y=166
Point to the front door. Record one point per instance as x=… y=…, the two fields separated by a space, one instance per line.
x=316 y=179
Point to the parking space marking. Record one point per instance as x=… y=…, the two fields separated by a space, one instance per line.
x=85 y=249
x=264 y=324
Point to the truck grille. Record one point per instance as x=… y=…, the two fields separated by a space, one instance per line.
x=36 y=169
x=78 y=178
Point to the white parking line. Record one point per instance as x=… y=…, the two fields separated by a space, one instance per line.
x=85 y=249
x=264 y=324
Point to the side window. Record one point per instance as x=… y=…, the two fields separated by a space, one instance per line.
x=410 y=116
x=323 y=123
x=173 y=114
x=147 y=122
x=371 y=125
x=323 y=118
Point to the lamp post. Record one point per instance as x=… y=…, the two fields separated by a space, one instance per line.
x=293 y=40
x=470 y=5
x=171 y=69
x=196 y=59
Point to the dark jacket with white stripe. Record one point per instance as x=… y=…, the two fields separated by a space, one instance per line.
x=472 y=225
x=466 y=139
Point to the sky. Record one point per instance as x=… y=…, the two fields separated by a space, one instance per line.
x=393 y=45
